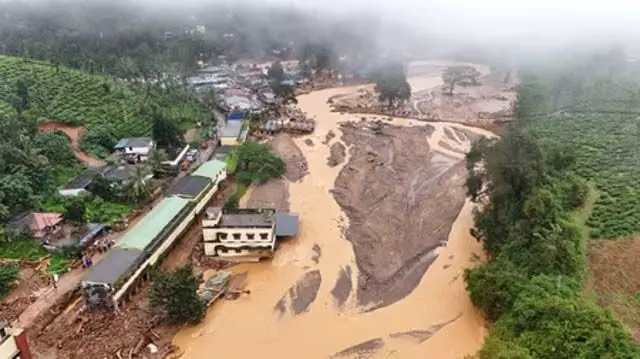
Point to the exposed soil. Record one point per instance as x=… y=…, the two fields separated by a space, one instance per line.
x=482 y=105
x=422 y=335
x=609 y=261
x=337 y=154
x=361 y=351
x=273 y=194
x=342 y=289
x=301 y=294
x=284 y=146
x=391 y=185
x=74 y=134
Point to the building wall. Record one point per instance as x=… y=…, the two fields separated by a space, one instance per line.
x=242 y=246
x=8 y=348
x=210 y=235
x=231 y=251
x=143 y=151
x=71 y=192
x=229 y=141
x=166 y=244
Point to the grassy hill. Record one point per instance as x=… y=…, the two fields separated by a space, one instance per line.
x=74 y=97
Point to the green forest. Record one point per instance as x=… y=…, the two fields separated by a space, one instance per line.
x=571 y=146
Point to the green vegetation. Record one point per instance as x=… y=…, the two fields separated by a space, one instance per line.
x=96 y=208
x=392 y=85
x=33 y=163
x=257 y=163
x=176 y=293
x=31 y=250
x=533 y=198
x=592 y=109
x=232 y=162
x=109 y=109
x=233 y=202
x=8 y=274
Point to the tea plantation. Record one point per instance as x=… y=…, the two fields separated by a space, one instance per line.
x=73 y=97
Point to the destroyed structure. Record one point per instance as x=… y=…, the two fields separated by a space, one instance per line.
x=120 y=272
x=245 y=234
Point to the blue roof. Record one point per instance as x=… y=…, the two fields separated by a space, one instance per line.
x=236 y=115
x=94 y=230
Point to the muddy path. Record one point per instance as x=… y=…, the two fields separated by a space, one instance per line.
x=311 y=287
x=74 y=134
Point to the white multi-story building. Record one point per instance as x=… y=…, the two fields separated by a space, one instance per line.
x=246 y=235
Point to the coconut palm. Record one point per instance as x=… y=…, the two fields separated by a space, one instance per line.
x=138 y=188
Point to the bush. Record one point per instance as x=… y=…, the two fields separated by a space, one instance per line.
x=8 y=274
x=176 y=293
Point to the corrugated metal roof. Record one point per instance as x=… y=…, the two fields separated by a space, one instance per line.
x=232 y=129
x=286 y=224
x=145 y=231
x=189 y=186
x=210 y=169
x=114 y=265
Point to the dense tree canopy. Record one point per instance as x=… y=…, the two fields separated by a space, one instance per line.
x=531 y=286
x=176 y=293
x=257 y=163
x=30 y=162
x=392 y=85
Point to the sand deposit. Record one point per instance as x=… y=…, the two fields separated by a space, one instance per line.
x=434 y=298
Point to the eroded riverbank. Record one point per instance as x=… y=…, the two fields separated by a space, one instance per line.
x=435 y=319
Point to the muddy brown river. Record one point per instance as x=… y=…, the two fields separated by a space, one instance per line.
x=436 y=320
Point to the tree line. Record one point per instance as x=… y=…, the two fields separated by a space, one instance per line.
x=530 y=289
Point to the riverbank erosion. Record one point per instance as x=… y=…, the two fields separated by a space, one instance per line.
x=401 y=199
x=314 y=283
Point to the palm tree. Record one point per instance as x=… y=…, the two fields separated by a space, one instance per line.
x=155 y=161
x=138 y=189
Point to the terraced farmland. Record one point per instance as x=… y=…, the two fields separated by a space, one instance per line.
x=77 y=98
x=608 y=152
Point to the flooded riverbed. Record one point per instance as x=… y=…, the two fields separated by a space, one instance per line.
x=435 y=320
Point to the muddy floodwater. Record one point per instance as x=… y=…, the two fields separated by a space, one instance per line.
x=303 y=303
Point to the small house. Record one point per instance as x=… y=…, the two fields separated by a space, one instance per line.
x=37 y=224
x=121 y=175
x=135 y=149
x=232 y=134
x=79 y=185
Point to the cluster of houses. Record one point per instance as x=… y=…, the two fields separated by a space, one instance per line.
x=248 y=234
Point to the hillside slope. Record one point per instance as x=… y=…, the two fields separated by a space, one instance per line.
x=73 y=97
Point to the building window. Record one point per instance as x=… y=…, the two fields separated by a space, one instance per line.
x=222 y=236
x=264 y=236
x=236 y=236
x=251 y=236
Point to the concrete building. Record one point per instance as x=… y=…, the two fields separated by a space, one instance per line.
x=13 y=343
x=39 y=225
x=119 y=274
x=232 y=134
x=246 y=235
x=136 y=149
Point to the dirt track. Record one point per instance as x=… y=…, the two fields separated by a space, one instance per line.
x=74 y=134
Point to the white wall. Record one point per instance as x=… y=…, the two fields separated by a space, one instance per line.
x=71 y=192
x=8 y=348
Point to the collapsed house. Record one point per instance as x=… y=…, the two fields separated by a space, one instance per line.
x=114 y=278
x=245 y=234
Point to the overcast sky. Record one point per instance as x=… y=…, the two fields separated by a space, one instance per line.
x=502 y=18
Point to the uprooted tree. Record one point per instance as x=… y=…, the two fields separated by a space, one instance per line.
x=463 y=75
x=392 y=85
x=176 y=293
